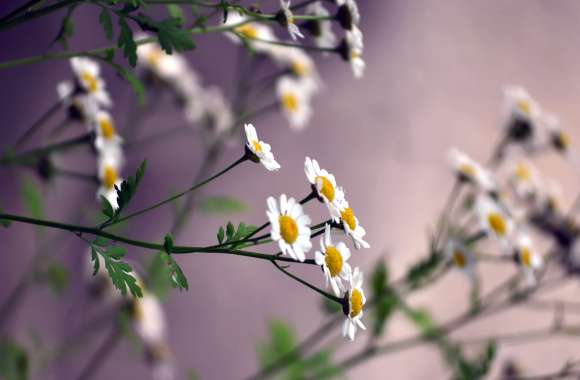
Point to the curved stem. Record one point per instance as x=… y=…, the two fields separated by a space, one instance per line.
x=43 y=151
x=39 y=123
x=307 y=284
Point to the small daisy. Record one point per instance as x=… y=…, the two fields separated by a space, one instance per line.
x=294 y=96
x=356 y=302
x=348 y=14
x=167 y=67
x=351 y=225
x=88 y=77
x=261 y=150
x=252 y=31
x=523 y=114
x=287 y=18
x=109 y=167
x=351 y=51
x=148 y=319
x=525 y=180
x=559 y=139
x=289 y=227
x=106 y=134
x=321 y=30
x=332 y=259
x=528 y=258
x=462 y=258
x=80 y=106
x=493 y=219
x=325 y=185
x=468 y=170
x=302 y=67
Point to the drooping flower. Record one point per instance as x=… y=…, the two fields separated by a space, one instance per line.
x=80 y=106
x=287 y=19
x=468 y=170
x=261 y=150
x=254 y=33
x=351 y=50
x=294 y=96
x=321 y=30
x=461 y=257
x=559 y=139
x=302 y=67
x=148 y=319
x=166 y=67
x=348 y=14
x=528 y=258
x=356 y=302
x=289 y=227
x=88 y=78
x=351 y=225
x=333 y=260
x=109 y=166
x=325 y=186
x=523 y=113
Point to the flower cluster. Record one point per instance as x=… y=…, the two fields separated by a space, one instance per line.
x=509 y=200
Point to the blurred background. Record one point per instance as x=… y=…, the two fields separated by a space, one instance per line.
x=435 y=72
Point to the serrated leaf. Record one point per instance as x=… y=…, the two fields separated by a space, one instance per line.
x=100 y=241
x=176 y=275
x=171 y=36
x=105 y=20
x=95 y=259
x=13 y=361
x=220 y=235
x=106 y=208
x=120 y=272
x=222 y=205
x=116 y=252
x=127 y=42
x=230 y=231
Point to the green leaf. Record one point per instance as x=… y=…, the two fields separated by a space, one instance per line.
x=67 y=28
x=158 y=278
x=58 y=278
x=176 y=12
x=380 y=278
x=382 y=312
x=116 y=252
x=95 y=260
x=125 y=193
x=230 y=231
x=422 y=270
x=171 y=36
x=220 y=235
x=105 y=20
x=175 y=274
x=33 y=198
x=168 y=244
x=234 y=236
x=106 y=208
x=222 y=205
x=119 y=271
x=282 y=341
x=13 y=361
x=127 y=42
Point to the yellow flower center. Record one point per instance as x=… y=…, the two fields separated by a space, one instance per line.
x=325 y=187
x=523 y=172
x=497 y=223
x=107 y=129
x=257 y=146
x=467 y=170
x=526 y=257
x=90 y=80
x=290 y=101
x=248 y=31
x=459 y=259
x=288 y=229
x=110 y=177
x=300 y=68
x=565 y=140
x=333 y=260
x=347 y=215
x=356 y=303
x=525 y=106
x=155 y=57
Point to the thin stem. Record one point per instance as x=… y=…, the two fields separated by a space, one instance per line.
x=37 y=13
x=39 y=123
x=76 y=175
x=176 y=196
x=307 y=284
x=289 y=44
x=24 y=7
x=43 y=151
x=101 y=354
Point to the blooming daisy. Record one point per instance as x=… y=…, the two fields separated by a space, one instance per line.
x=461 y=257
x=289 y=227
x=325 y=185
x=106 y=134
x=109 y=167
x=80 y=106
x=260 y=149
x=523 y=114
x=351 y=225
x=348 y=14
x=525 y=180
x=167 y=67
x=88 y=78
x=356 y=302
x=294 y=96
x=321 y=30
x=493 y=219
x=468 y=170
x=148 y=319
x=287 y=19
x=528 y=258
x=332 y=258
x=302 y=66
x=254 y=33
x=351 y=51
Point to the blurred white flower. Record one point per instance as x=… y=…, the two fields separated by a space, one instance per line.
x=470 y=171
x=493 y=219
x=289 y=227
x=348 y=14
x=324 y=37
x=148 y=319
x=107 y=141
x=333 y=260
x=356 y=302
x=260 y=149
x=529 y=259
x=294 y=96
x=462 y=258
x=289 y=20
x=109 y=166
x=352 y=50
x=88 y=76
x=80 y=106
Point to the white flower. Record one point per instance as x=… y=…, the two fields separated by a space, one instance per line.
x=356 y=302
x=559 y=139
x=324 y=37
x=167 y=67
x=351 y=225
x=348 y=13
x=523 y=114
x=289 y=227
x=461 y=257
x=525 y=180
x=325 y=185
x=470 y=171
x=294 y=96
x=80 y=105
x=289 y=20
x=254 y=33
x=148 y=319
x=107 y=138
x=217 y=111
x=352 y=51
x=493 y=219
x=333 y=259
x=260 y=149
x=301 y=65
x=109 y=167
x=529 y=259
x=520 y=104
x=88 y=77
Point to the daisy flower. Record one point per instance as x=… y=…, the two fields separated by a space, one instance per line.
x=148 y=319
x=559 y=139
x=468 y=170
x=218 y=113
x=287 y=19
x=351 y=51
x=525 y=180
x=333 y=260
x=356 y=302
x=294 y=96
x=167 y=67
x=493 y=219
x=260 y=150
x=109 y=167
x=462 y=258
x=302 y=67
x=252 y=31
x=528 y=258
x=106 y=134
x=523 y=114
x=348 y=14
x=289 y=227
x=351 y=225
x=88 y=77
x=80 y=106
x=321 y=30
x=325 y=185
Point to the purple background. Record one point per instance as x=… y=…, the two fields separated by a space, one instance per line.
x=434 y=80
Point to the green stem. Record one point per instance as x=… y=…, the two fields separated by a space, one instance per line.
x=38 y=13
x=43 y=151
x=39 y=123
x=307 y=284
x=24 y=7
